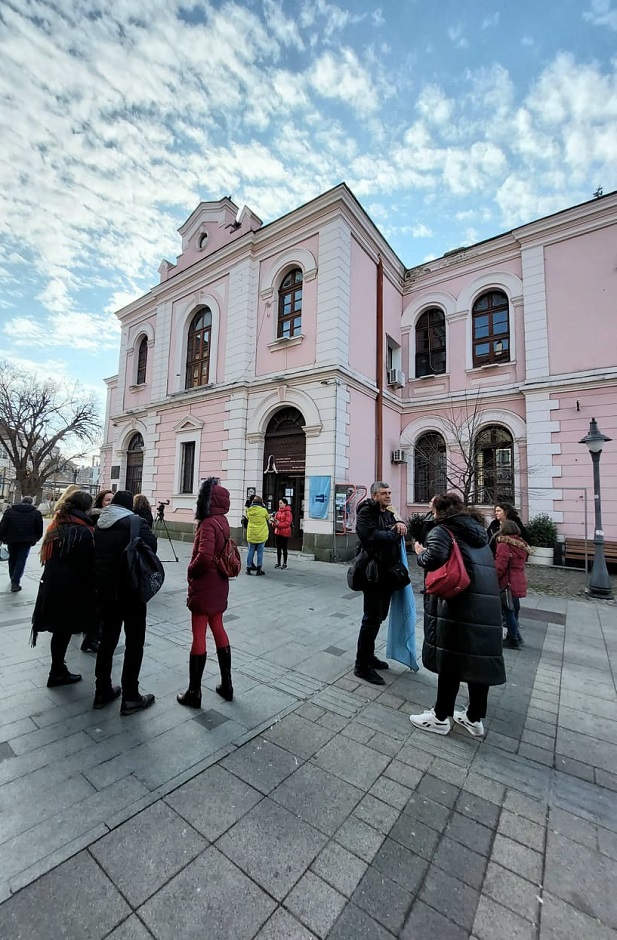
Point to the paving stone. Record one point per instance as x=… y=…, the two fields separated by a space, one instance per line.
x=438 y=790
x=358 y=732
x=451 y=897
x=390 y=792
x=488 y=790
x=273 y=846
x=228 y=799
x=385 y=900
x=427 y=811
x=340 y=868
x=355 y=924
x=470 y=833
x=449 y=772
x=385 y=745
x=282 y=926
x=573 y=827
x=380 y=815
x=400 y=865
x=461 y=862
x=131 y=929
x=261 y=764
x=546 y=729
x=544 y=741
x=213 y=890
x=538 y=754
x=605 y=779
x=522 y=830
x=415 y=757
x=353 y=762
x=583 y=799
x=145 y=852
x=607 y=842
x=582 y=878
x=318 y=797
x=310 y=711
x=503 y=742
x=576 y=768
x=333 y=722
x=494 y=922
x=517 y=858
x=315 y=903
x=514 y=892
x=482 y=810
x=523 y=805
x=298 y=735
x=359 y=838
x=404 y=774
x=424 y=923
x=561 y=921
x=85 y=904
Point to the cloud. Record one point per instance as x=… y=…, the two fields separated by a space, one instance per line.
x=75 y=330
x=345 y=78
x=455 y=34
x=602 y=13
x=489 y=22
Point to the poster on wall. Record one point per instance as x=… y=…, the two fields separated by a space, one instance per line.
x=319 y=497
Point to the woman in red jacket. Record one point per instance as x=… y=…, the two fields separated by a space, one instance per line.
x=283 y=521
x=511 y=556
x=208 y=591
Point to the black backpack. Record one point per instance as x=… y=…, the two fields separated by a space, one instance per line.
x=145 y=571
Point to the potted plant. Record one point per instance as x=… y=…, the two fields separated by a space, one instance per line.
x=542 y=533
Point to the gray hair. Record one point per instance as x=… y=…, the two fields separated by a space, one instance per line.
x=27 y=499
x=379 y=485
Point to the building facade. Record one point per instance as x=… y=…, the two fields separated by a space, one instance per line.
x=302 y=359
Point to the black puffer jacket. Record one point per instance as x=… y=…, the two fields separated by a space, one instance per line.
x=463 y=636
x=111 y=536
x=21 y=524
x=377 y=537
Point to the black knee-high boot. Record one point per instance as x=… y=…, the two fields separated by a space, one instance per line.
x=192 y=696
x=225 y=689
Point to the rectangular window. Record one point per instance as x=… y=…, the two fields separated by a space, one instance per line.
x=187 y=467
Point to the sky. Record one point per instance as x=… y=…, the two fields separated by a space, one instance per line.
x=450 y=122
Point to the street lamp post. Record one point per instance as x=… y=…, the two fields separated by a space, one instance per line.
x=599 y=581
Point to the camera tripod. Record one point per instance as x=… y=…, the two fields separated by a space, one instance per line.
x=160 y=527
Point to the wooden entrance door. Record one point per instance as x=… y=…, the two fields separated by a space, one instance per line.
x=284 y=466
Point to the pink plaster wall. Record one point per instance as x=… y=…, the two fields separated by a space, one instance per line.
x=581 y=292
x=363 y=301
x=361 y=432
x=575 y=461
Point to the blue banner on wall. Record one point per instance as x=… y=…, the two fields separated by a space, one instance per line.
x=319 y=497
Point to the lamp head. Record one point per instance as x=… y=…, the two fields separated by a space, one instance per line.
x=594 y=440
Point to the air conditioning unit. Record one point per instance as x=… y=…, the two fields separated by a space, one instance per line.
x=396 y=378
x=398 y=456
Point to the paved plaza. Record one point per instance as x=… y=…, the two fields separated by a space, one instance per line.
x=308 y=807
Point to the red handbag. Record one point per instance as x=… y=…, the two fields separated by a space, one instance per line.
x=451 y=579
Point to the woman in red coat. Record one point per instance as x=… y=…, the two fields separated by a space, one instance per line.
x=208 y=591
x=510 y=558
x=283 y=521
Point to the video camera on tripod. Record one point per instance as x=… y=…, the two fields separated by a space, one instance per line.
x=160 y=510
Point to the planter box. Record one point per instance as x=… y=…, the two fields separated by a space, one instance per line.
x=541 y=556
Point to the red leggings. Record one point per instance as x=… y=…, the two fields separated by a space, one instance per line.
x=199 y=622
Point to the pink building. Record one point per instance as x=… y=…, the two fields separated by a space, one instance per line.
x=302 y=359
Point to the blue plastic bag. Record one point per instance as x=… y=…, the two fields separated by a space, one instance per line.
x=401 y=645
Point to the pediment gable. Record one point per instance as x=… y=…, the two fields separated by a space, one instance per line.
x=189 y=423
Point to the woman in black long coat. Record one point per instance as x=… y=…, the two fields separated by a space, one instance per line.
x=64 y=601
x=462 y=636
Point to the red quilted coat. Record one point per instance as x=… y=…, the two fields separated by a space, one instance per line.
x=283 y=521
x=512 y=552
x=208 y=589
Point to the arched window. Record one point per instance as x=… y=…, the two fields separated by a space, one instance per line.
x=494 y=466
x=429 y=461
x=134 y=463
x=142 y=361
x=198 y=349
x=290 y=305
x=491 y=329
x=431 y=343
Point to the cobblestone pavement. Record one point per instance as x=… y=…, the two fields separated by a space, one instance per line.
x=309 y=807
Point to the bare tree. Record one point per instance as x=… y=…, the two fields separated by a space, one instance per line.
x=37 y=418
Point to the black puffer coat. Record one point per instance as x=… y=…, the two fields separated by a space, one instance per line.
x=463 y=636
x=377 y=537
x=21 y=524
x=111 y=536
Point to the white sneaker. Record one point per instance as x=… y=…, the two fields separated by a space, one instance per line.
x=428 y=721
x=475 y=728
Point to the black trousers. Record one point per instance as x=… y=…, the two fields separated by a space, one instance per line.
x=447 y=690
x=59 y=645
x=18 y=556
x=281 y=547
x=376 y=605
x=131 y=613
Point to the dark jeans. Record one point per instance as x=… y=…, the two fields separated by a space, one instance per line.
x=376 y=605
x=281 y=547
x=447 y=690
x=133 y=614
x=18 y=556
x=510 y=618
x=59 y=645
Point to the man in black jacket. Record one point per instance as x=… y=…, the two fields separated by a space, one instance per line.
x=380 y=536
x=119 y=605
x=21 y=528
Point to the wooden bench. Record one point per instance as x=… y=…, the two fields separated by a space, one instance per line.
x=575 y=551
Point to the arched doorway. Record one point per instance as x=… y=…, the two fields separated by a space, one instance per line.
x=284 y=467
x=134 y=463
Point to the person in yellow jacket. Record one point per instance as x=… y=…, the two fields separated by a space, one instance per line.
x=256 y=534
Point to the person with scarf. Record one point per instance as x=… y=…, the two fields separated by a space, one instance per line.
x=120 y=605
x=64 y=599
x=510 y=559
x=283 y=524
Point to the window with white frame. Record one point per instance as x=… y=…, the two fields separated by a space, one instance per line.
x=142 y=361
x=431 y=343
x=187 y=466
x=290 y=305
x=198 y=349
x=490 y=329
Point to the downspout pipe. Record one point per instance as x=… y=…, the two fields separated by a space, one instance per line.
x=379 y=371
